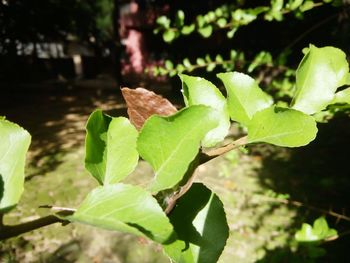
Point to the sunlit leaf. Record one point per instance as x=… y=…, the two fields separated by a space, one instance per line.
x=169 y=35
x=319 y=231
x=186 y=30
x=200 y=223
x=342 y=96
x=163 y=21
x=222 y=22
x=245 y=98
x=110 y=147
x=206 y=31
x=198 y=91
x=124 y=208
x=308 y=5
x=319 y=74
x=170 y=144
x=14 y=144
x=282 y=127
x=210 y=67
x=169 y=65
x=187 y=63
x=200 y=61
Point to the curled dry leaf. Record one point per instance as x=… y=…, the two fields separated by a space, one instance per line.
x=143 y=103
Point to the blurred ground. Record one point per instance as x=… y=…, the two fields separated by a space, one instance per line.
x=248 y=184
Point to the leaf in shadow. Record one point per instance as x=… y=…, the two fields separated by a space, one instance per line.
x=200 y=223
x=143 y=103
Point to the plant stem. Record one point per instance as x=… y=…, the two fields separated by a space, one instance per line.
x=211 y=154
x=15 y=230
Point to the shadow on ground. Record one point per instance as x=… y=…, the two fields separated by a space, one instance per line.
x=317 y=175
x=56 y=116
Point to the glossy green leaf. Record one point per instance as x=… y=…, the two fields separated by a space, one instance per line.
x=342 y=96
x=124 y=208
x=14 y=144
x=245 y=98
x=198 y=91
x=318 y=76
x=110 y=147
x=200 y=223
x=318 y=232
x=170 y=144
x=282 y=127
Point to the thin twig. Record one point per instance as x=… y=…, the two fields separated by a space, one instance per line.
x=58 y=208
x=314 y=27
x=16 y=230
x=203 y=158
x=300 y=204
x=211 y=154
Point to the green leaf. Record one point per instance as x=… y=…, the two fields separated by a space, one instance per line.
x=245 y=98
x=222 y=22
x=186 y=30
x=200 y=61
x=180 y=18
x=232 y=32
x=308 y=5
x=219 y=58
x=187 y=63
x=318 y=76
x=169 y=65
x=200 y=222
x=110 y=147
x=198 y=91
x=342 y=96
x=180 y=68
x=200 y=21
x=294 y=4
x=124 y=208
x=163 y=21
x=282 y=127
x=233 y=54
x=169 y=35
x=206 y=31
x=170 y=144
x=210 y=67
x=14 y=144
x=208 y=58
x=318 y=232
x=261 y=58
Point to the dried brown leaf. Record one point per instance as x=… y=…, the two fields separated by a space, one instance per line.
x=143 y=103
